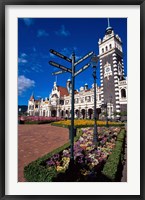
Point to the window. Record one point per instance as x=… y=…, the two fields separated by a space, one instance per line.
x=61 y=102
x=99 y=97
x=31 y=107
x=123 y=93
x=110 y=46
x=102 y=50
x=89 y=99
x=66 y=102
x=76 y=100
x=106 y=48
x=82 y=100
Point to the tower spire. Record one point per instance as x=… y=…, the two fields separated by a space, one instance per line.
x=108 y=23
x=32 y=96
x=56 y=79
x=109 y=29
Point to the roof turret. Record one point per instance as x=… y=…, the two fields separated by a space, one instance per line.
x=32 y=97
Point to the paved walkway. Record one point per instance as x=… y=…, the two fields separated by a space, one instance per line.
x=35 y=141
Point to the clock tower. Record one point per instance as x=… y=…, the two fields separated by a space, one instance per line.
x=111 y=70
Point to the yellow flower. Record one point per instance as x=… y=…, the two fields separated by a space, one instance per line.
x=59 y=168
x=84 y=122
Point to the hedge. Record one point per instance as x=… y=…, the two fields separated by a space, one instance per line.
x=113 y=166
x=38 y=122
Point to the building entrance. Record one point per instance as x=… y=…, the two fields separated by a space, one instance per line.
x=53 y=113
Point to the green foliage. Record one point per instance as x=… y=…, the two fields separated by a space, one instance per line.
x=36 y=171
x=111 y=167
x=116 y=113
x=104 y=113
x=124 y=113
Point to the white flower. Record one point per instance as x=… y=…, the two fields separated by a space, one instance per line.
x=81 y=139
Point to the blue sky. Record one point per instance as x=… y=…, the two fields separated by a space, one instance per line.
x=36 y=36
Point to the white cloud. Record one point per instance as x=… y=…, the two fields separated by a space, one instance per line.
x=24 y=84
x=28 y=21
x=62 y=31
x=51 y=55
x=78 y=57
x=68 y=52
x=31 y=62
x=41 y=33
x=22 y=60
x=23 y=55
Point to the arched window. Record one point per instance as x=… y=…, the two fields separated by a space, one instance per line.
x=102 y=50
x=106 y=48
x=110 y=46
x=123 y=93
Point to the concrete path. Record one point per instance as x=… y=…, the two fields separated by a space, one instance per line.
x=35 y=141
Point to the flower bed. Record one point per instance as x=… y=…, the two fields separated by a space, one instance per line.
x=85 y=123
x=88 y=161
x=86 y=157
x=37 y=119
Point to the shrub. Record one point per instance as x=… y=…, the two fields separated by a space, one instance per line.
x=38 y=119
x=112 y=167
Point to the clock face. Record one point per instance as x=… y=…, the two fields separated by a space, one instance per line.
x=107 y=69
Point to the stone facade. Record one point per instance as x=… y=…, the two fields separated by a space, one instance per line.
x=59 y=103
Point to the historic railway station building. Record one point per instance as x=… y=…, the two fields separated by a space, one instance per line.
x=111 y=95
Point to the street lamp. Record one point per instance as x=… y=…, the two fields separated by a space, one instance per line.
x=94 y=61
x=106 y=115
x=110 y=107
x=104 y=106
x=86 y=111
x=79 y=111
